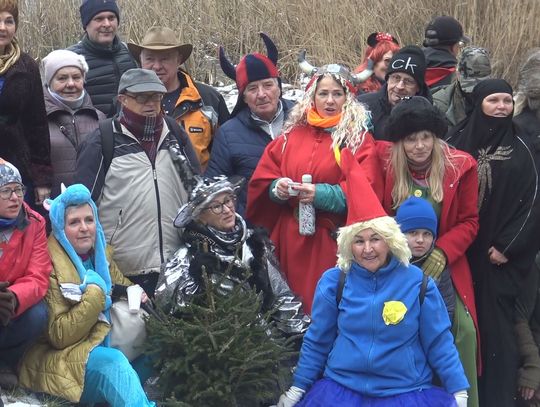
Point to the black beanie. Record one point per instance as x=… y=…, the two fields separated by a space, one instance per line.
x=410 y=60
x=413 y=115
x=89 y=8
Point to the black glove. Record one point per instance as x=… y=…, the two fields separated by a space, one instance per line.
x=209 y=261
x=8 y=305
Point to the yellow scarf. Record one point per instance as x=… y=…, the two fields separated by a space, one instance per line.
x=314 y=118
x=13 y=53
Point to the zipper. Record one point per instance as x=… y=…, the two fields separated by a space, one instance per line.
x=371 y=346
x=160 y=228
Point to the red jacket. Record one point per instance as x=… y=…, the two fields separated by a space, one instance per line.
x=25 y=262
x=458 y=223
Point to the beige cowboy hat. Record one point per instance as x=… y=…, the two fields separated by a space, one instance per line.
x=160 y=39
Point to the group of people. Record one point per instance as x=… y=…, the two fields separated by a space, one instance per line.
x=418 y=284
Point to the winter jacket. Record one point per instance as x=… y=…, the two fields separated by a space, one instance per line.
x=458 y=221
x=352 y=343
x=24 y=260
x=68 y=128
x=200 y=109
x=24 y=136
x=237 y=148
x=56 y=363
x=451 y=102
x=134 y=195
x=441 y=67
x=106 y=66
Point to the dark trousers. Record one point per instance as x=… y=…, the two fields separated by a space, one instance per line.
x=22 y=332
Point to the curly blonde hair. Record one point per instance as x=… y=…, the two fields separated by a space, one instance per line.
x=355 y=118
x=384 y=226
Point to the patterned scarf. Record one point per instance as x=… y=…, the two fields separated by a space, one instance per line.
x=12 y=55
x=147 y=130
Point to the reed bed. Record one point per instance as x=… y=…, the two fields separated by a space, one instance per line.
x=330 y=30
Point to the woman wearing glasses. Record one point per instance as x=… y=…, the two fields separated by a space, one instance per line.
x=216 y=239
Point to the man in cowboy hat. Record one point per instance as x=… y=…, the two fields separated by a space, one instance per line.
x=107 y=56
x=199 y=108
x=256 y=119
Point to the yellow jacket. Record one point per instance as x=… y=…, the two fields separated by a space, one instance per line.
x=56 y=363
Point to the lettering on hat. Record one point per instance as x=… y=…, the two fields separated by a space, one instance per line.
x=404 y=64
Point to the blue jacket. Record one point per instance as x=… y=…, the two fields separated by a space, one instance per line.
x=238 y=145
x=351 y=344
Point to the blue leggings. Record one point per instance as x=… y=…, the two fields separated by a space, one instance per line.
x=110 y=378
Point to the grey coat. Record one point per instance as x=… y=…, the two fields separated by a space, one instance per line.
x=68 y=128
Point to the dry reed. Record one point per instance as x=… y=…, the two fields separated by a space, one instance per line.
x=330 y=30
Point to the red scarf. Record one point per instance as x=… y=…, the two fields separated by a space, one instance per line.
x=147 y=130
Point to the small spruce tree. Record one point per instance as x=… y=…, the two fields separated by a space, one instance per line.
x=222 y=351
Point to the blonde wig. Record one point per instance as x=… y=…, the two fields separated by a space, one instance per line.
x=355 y=119
x=386 y=227
x=442 y=161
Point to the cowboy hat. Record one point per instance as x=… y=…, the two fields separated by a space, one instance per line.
x=160 y=39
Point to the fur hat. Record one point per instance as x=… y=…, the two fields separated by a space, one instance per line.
x=412 y=115
x=252 y=67
x=9 y=173
x=364 y=211
x=12 y=7
x=417 y=213
x=59 y=59
x=89 y=8
x=410 y=60
x=444 y=30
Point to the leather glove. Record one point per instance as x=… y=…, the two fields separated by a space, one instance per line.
x=461 y=398
x=434 y=264
x=93 y=278
x=291 y=397
x=8 y=305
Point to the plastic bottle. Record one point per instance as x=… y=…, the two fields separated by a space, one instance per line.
x=306 y=213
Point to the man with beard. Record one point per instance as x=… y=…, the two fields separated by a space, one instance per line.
x=140 y=180
x=107 y=56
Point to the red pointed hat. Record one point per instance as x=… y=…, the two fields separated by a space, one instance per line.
x=362 y=202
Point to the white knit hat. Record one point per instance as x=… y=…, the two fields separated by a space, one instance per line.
x=60 y=59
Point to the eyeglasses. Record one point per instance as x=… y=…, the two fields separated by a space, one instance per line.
x=394 y=79
x=144 y=98
x=5 y=193
x=218 y=208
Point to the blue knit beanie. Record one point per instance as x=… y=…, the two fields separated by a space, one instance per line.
x=74 y=195
x=89 y=8
x=417 y=213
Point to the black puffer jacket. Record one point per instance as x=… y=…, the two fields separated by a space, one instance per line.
x=106 y=66
x=24 y=135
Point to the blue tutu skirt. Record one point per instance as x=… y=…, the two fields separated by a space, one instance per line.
x=328 y=393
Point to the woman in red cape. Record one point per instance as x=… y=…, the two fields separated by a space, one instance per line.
x=327 y=119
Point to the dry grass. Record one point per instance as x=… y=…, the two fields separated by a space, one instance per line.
x=331 y=30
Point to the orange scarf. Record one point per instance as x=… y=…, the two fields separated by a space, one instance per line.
x=315 y=119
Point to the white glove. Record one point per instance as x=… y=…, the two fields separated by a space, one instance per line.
x=461 y=398
x=291 y=397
